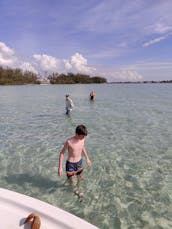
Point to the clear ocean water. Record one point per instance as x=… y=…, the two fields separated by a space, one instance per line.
x=129 y=184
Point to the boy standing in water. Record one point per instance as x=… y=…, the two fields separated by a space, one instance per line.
x=75 y=147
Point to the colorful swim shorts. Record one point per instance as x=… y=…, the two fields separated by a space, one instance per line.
x=73 y=168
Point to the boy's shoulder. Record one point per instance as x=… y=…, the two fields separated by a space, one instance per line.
x=70 y=139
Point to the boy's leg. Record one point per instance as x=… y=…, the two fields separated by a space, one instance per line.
x=79 y=192
x=70 y=180
x=79 y=171
x=80 y=177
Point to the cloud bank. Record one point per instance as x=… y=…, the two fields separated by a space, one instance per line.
x=43 y=64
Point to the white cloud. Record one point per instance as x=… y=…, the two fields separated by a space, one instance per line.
x=123 y=75
x=26 y=66
x=8 y=58
x=156 y=40
x=6 y=50
x=78 y=59
x=7 y=55
x=47 y=63
x=67 y=65
x=161 y=28
x=77 y=63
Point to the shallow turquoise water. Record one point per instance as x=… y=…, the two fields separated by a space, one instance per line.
x=129 y=143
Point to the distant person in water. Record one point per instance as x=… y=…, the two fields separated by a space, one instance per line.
x=92 y=95
x=69 y=104
x=75 y=148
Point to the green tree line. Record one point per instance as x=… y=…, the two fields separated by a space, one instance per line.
x=17 y=77
x=71 y=78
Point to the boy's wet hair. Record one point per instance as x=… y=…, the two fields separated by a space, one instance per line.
x=81 y=130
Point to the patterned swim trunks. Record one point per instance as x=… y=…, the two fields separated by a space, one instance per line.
x=74 y=168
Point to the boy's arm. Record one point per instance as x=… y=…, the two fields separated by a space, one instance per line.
x=86 y=156
x=61 y=155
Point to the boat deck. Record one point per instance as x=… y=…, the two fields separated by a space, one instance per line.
x=15 y=208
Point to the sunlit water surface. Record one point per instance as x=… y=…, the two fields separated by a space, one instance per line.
x=129 y=184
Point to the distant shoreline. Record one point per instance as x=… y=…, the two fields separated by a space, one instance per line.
x=119 y=82
x=141 y=82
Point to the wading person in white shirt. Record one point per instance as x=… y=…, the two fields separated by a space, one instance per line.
x=69 y=104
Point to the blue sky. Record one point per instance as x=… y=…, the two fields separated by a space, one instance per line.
x=118 y=39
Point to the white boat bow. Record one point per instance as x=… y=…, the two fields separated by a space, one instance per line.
x=15 y=208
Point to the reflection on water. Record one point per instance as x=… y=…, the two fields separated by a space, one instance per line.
x=129 y=184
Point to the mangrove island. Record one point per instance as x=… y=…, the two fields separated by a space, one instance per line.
x=16 y=76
